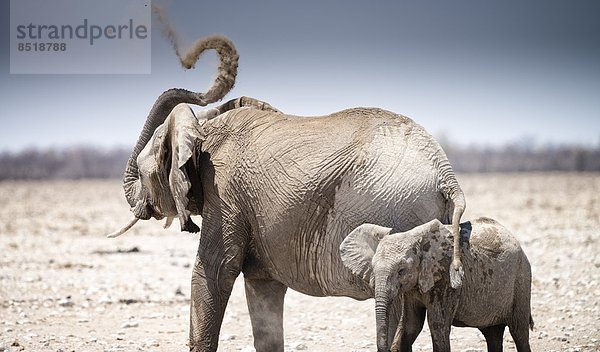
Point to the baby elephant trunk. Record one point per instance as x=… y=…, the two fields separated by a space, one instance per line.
x=384 y=295
x=382 y=319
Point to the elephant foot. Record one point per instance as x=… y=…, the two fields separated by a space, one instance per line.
x=190 y=226
x=200 y=346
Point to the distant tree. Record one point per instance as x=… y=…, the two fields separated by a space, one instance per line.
x=82 y=162
x=67 y=163
x=523 y=157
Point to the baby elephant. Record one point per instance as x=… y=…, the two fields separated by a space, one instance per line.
x=495 y=293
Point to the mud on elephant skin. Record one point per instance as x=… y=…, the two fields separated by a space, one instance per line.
x=496 y=291
x=278 y=194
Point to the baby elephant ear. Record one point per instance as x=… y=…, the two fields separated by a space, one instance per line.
x=358 y=248
x=429 y=259
x=434 y=225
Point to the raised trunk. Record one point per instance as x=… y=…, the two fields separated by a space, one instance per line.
x=168 y=100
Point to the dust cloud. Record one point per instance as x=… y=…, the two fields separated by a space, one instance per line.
x=168 y=31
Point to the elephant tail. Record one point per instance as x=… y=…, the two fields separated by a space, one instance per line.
x=454 y=194
x=531 y=322
x=456 y=268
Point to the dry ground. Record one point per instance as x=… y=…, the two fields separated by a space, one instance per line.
x=64 y=287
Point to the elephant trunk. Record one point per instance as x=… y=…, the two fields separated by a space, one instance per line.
x=456 y=196
x=382 y=321
x=384 y=294
x=168 y=100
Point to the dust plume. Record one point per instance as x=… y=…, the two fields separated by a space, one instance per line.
x=168 y=30
x=228 y=55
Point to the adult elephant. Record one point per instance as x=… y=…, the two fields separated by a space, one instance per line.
x=278 y=194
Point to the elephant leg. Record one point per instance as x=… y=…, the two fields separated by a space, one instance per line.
x=440 y=321
x=520 y=334
x=265 y=305
x=440 y=337
x=413 y=319
x=521 y=320
x=213 y=276
x=493 y=337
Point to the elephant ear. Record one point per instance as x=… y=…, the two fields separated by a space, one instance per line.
x=164 y=165
x=185 y=134
x=432 y=233
x=358 y=248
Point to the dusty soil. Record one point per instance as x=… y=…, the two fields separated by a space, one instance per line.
x=65 y=287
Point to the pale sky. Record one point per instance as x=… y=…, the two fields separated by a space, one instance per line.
x=477 y=72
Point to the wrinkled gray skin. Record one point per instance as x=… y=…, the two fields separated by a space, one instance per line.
x=278 y=194
x=414 y=264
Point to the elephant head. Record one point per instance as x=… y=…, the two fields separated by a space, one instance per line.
x=146 y=201
x=395 y=264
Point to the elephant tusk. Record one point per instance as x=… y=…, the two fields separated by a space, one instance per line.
x=123 y=229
